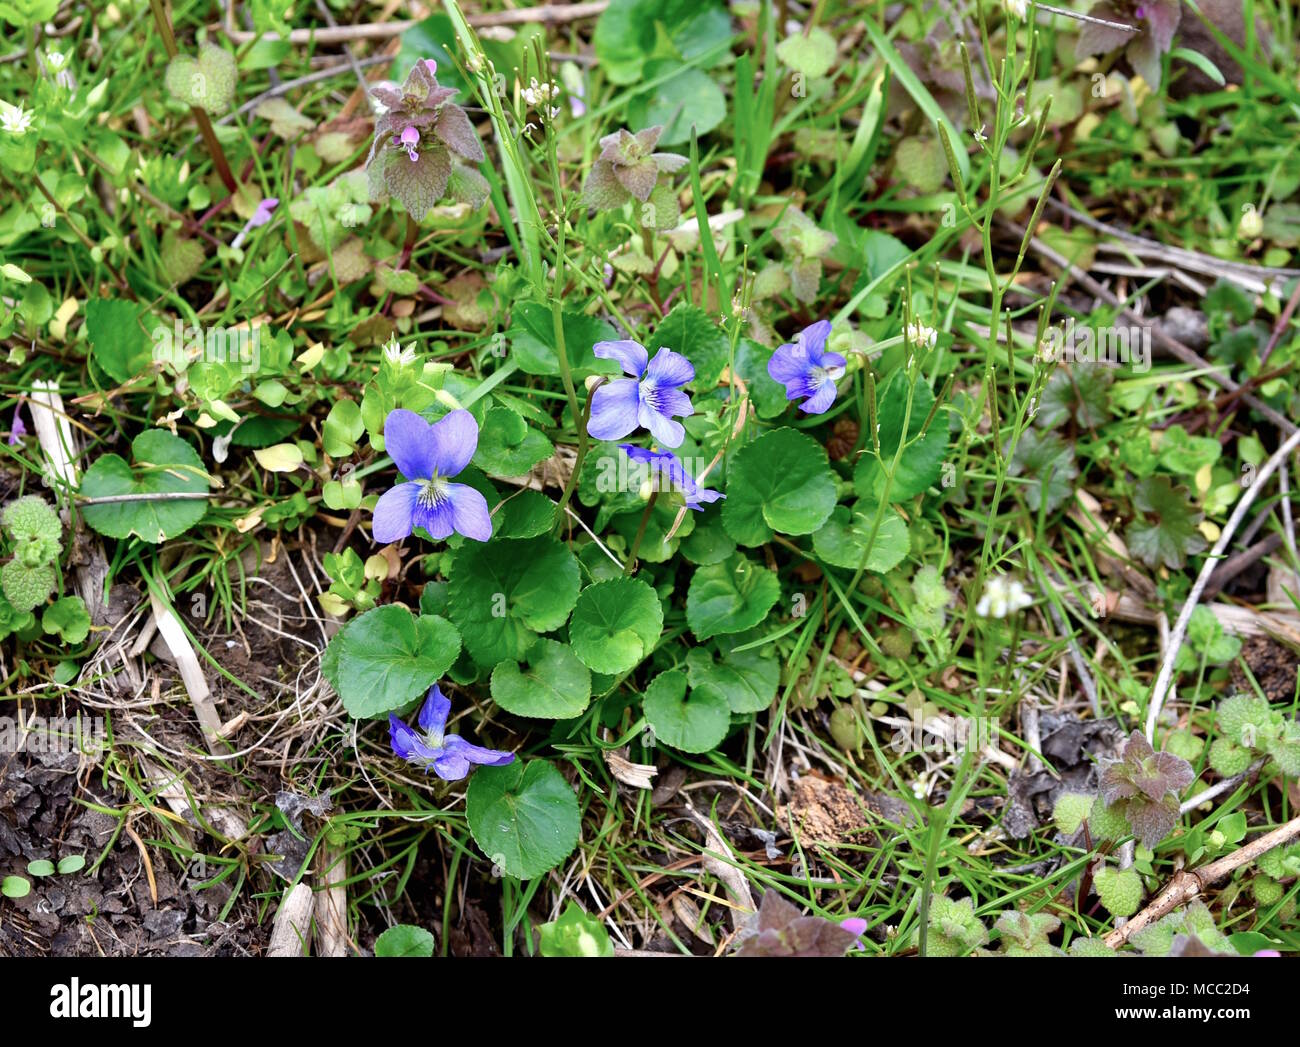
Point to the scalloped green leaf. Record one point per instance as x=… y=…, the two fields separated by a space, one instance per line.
x=524 y=515
x=812 y=53
x=404 y=940
x=1166 y=532
x=688 y=98
x=781 y=482
x=532 y=341
x=387 y=657
x=503 y=593
x=730 y=596
x=693 y=723
x=746 y=680
x=551 y=684
x=708 y=542
x=524 y=816
x=616 y=624
x=162 y=464
x=922 y=459
x=689 y=330
x=845 y=540
x=117 y=341
x=509 y=446
x=628 y=33
x=67 y=618
x=1120 y=890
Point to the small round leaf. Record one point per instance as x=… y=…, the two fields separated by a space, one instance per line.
x=616 y=624
x=780 y=482
x=552 y=685
x=524 y=816
x=693 y=724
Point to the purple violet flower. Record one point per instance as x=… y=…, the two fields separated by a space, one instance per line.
x=260 y=217
x=649 y=398
x=806 y=370
x=428 y=455
x=668 y=473
x=448 y=756
x=18 y=430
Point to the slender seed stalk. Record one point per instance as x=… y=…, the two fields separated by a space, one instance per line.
x=200 y=117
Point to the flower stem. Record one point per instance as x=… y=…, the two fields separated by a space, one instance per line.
x=200 y=117
x=630 y=566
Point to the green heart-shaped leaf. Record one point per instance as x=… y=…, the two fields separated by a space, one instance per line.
x=508 y=446
x=117 y=341
x=922 y=459
x=689 y=330
x=552 y=685
x=845 y=539
x=386 y=658
x=730 y=597
x=616 y=624
x=532 y=342
x=780 y=482
x=524 y=515
x=524 y=816
x=162 y=464
x=206 y=82
x=746 y=680
x=693 y=724
x=404 y=940
x=503 y=593
x=811 y=53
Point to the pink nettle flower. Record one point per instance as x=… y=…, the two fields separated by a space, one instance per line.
x=421 y=113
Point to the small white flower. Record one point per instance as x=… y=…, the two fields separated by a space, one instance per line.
x=56 y=60
x=396 y=355
x=540 y=95
x=1002 y=596
x=14 y=120
x=980 y=136
x=1016 y=8
x=921 y=336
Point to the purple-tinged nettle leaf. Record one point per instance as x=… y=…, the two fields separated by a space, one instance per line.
x=783 y=931
x=628 y=168
x=1156 y=22
x=421 y=140
x=1144 y=785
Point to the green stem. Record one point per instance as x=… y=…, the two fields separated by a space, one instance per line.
x=200 y=117
x=630 y=566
